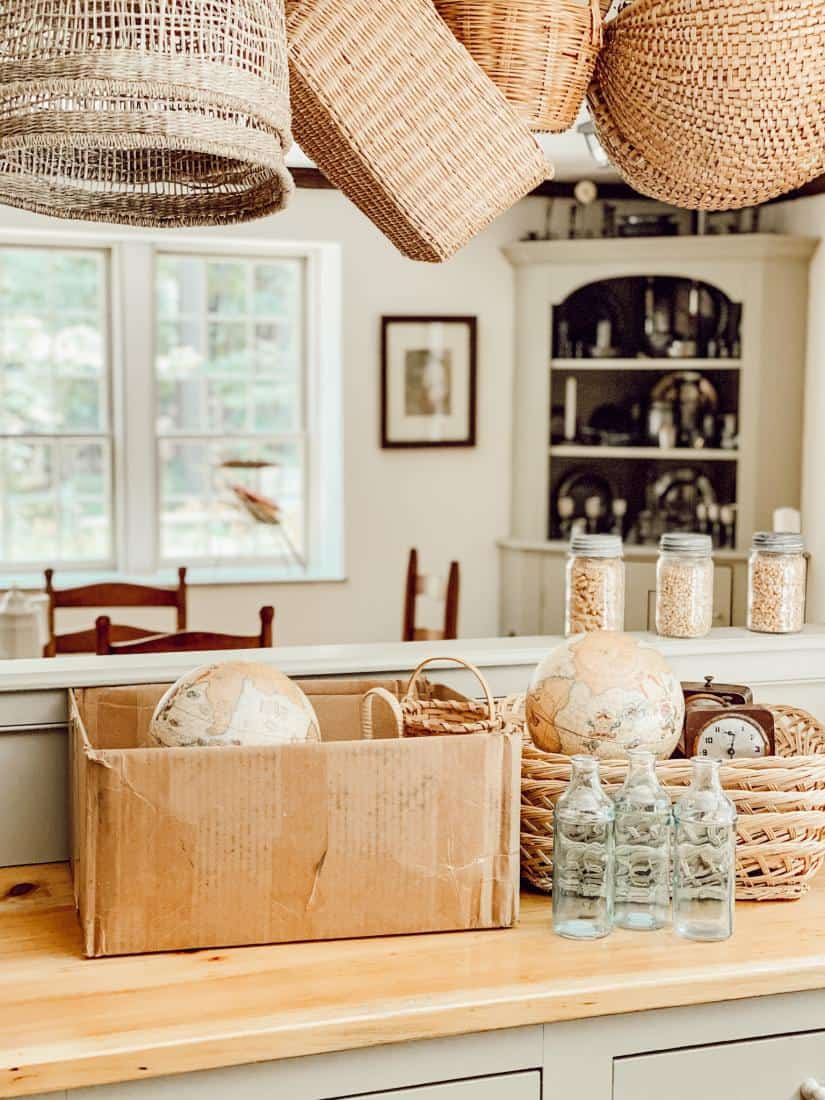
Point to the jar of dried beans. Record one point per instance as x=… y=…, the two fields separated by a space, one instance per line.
x=595 y=584
x=684 y=585
x=776 y=583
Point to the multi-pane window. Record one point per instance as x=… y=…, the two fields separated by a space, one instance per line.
x=55 y=424
x=169 y=405
x=230 y=408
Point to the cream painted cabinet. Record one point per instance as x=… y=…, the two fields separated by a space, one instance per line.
x=766 y=1069
x=511 y=1086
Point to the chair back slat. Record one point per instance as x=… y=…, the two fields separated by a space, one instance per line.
x=189 y=641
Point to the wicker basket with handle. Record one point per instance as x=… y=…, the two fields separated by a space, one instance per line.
x=433 y=710
x=713 y=105
x=397 y=115
x=780 y=830
x=540 y=55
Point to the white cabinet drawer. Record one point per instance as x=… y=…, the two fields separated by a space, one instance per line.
x=764 y=1069
x=508 y=1086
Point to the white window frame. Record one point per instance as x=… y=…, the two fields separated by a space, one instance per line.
x=132 y=394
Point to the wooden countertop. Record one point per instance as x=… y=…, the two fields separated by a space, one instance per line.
x=66 y=1021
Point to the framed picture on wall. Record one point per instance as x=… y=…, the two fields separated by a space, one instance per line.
x=428 y=381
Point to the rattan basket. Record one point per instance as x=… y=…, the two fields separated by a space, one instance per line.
x=398 y=116
x=145 y=114
x=541 y=55
x=713 y=105
x=427 y=710
x=780 y=830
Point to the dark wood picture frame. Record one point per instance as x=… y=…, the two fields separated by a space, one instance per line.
x=446 y=319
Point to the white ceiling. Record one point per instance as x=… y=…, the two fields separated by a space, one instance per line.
x=567 y=152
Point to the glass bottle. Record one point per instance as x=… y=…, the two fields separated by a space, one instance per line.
x=704 y=867
x=642 y=843
x=776 y=583
x=583 y=861
x=594 y=584
x=684 y=585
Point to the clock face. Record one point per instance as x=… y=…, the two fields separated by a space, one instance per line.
x=734 y=735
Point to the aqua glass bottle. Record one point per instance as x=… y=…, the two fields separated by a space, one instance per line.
x=642 y=841
x=583 y=869
x=704 y=867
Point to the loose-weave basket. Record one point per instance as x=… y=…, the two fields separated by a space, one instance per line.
x=399 y=117
x=539 y=53
x=146 y=114
x=780 y=800
x=713 y=104
x=432 y=710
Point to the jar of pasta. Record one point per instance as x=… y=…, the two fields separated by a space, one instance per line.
x=684 y=585
x=595 y=584
x=776 y=583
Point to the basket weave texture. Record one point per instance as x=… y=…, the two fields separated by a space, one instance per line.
x=780 y=830
x=713 y=104
x=142 y=113
x=540 y=55
x=398 y=116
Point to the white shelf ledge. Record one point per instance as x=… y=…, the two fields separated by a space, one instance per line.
x=680 y=454
x=646 y=364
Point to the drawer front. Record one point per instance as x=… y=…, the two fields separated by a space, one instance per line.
x=764 y=1069
x=508 y=1086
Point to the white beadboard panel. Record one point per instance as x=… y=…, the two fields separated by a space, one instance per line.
x=408 y=1069
x=33 y=796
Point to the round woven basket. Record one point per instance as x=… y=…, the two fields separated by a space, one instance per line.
x=713 y=104
x=144 y=114
x=780 y=800
x=434 y=715
x=540 y=55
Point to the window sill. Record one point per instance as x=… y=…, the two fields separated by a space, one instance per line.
x=203 y=577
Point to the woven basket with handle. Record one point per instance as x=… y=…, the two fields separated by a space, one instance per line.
x=398 y=116
x=713 y=104
x=433 y=710
x=154 y=114
x=540 y=55
x=780 y=800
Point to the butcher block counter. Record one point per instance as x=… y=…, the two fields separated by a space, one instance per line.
x=67 y=1022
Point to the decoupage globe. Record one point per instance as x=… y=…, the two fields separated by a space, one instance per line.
x=234 y=703
x=604 y=694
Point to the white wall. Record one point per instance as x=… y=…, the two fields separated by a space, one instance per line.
x=806 y=217
x=450 y=503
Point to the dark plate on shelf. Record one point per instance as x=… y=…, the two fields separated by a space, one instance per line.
x=581 y=485
x=677 y=492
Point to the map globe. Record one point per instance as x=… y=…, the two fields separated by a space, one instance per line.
x=604 y=694
x=234 y=703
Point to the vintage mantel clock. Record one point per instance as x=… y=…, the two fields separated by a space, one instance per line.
x=722 y=723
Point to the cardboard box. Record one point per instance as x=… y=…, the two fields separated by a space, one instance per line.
x=208 y=847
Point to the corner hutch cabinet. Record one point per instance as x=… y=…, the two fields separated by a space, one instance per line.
x=758 y=375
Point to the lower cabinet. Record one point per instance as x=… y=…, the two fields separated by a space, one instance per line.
x=762 y=1069
x=509 y=1086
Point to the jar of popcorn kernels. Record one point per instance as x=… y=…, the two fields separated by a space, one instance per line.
x=684 y=585
x=776 y=583
x=595 y=584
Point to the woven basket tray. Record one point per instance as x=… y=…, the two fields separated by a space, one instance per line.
x=541 y=56
x=713 y=105
x=398 y=116
x=780 y=831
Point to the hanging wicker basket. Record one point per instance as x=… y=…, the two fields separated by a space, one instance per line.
x=780 y=801
x=713 y=104
x=154 y=114
x=540 y=55
x=397 y=115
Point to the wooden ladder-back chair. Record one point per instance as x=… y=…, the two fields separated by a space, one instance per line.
x=109 y=594
x=436 y=588
x=184 y=641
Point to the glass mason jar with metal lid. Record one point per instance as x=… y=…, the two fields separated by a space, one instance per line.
x=595 y=584
x=684 y=585
x=777 y=572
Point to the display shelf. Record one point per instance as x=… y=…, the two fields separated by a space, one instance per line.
x=646 y=364
x=697 y=454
